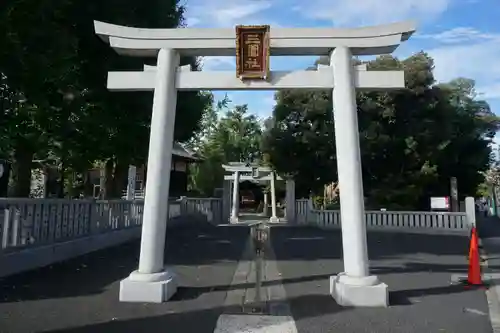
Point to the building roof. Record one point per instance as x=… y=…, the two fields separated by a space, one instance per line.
x=180 y=150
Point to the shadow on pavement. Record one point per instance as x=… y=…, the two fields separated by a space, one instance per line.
x=417 y=268
x=199 y=321
x=327 y=244
x=402 y=297
x=414 y=267
x=195 y=292
x=89 y=273
x=93 y=272
x=190 y=309
x=399 y=297
x=488 y=226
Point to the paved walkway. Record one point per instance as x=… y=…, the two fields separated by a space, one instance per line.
x=489 y=231
x=216 y=269
x=416 y=267
x=82 y=295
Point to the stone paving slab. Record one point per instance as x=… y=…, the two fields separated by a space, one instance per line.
x=82 y=295
x=417 y=268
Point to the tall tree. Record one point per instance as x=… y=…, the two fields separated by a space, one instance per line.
x=59 y=69
x=412 y=140
x=234 y=137
x=299 y=140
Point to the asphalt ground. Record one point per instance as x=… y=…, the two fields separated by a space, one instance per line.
x=417 y=268
x=81 y=295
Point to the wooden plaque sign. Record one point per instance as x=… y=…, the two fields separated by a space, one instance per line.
x=252 y=52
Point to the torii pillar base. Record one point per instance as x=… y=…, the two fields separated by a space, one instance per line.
x=274 y=219
x=359 y=292
x=148 y=288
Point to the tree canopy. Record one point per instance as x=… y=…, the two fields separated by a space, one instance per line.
x=55 y=111
x=412 y=140
x=228 y=135
x=55 y=106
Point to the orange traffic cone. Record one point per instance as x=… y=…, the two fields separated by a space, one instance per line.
x=474 y=274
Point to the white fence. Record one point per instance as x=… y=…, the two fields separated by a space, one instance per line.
x=38 y=232
x=396 y=220
x=211 y=208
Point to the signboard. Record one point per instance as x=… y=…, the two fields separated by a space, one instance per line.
x=440 y=203
x=252 y=52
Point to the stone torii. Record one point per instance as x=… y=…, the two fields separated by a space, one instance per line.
x=153 y=282
x=242 y=172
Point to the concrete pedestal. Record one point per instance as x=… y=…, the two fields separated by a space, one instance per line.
x=148 y=288
x=361 y=292
x=274 y=219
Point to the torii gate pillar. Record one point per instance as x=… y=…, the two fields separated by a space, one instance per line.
x=355 y=286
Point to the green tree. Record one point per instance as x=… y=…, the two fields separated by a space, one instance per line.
x=234 y=137
x=299 y=139
x=412 y=140
x=58 y=69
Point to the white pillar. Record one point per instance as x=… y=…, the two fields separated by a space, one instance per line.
x=226 y=200
x=354 y=286
x=265 y=211
x=152 y=282
x=102 y=183
x=236 y=198
x=290 y=201
x=132 y=175
x=470 y=211
x=274 y=217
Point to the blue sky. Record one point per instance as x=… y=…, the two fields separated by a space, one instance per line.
x=463 y=36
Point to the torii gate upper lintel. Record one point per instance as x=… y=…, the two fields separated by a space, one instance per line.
x=152 y=282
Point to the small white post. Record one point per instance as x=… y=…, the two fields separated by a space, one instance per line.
x=226 y=200
x=102 y=183
x=353 y=287
x=290 y=201
x=16 y=227
x=152 y=282
x=470 y=211
x=265 y=211
x=6 y=228
x=236 y=198
x=132 y=174
x=274 y=217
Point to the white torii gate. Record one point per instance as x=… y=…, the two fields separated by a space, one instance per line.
x=152 y=282
x=238 y=171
